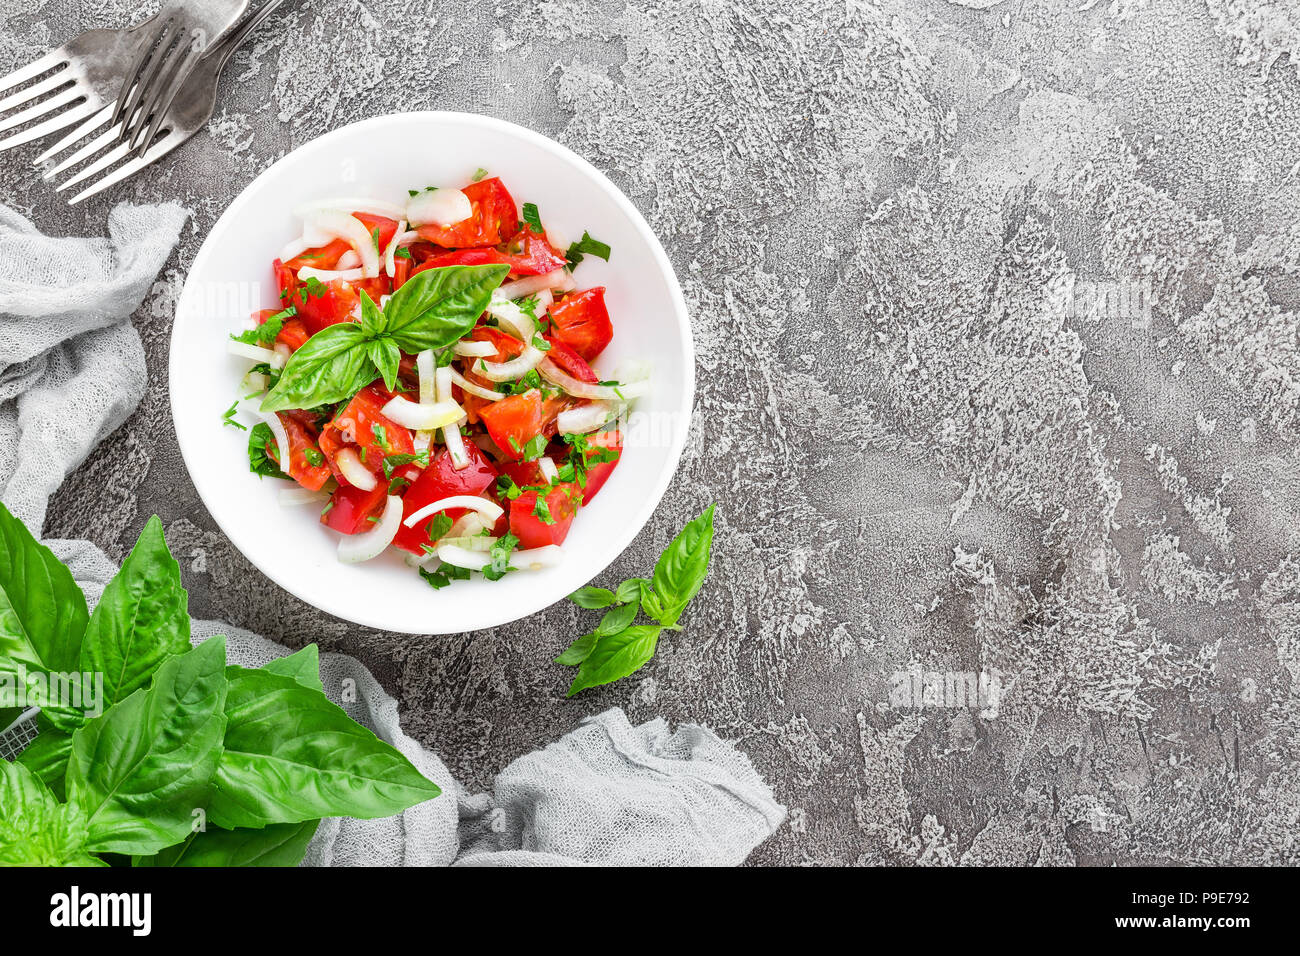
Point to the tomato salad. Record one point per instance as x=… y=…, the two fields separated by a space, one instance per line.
x=428 y=379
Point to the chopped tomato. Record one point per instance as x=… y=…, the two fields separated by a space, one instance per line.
x=441 y=480
x=401 y=271
x=322 y=257
x=598 y=472
x=362 y=423
x=293 y=334
x=351 y=508
x=322 y=304
x=570 y=361
x=376 y=288
x=301 y=445
x=528 y=254
x=581 y=321
x=516 y=420
x=507 y=346
x=494 y=219
x=386 y=227
x=535 y=526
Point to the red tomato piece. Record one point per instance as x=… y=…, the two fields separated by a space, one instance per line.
x=322 y=257
x=301 y=444
x=387 y=229
x=581 y=321
x=293 y=334
x=401 y=271
x=323 y=304
x=494 y=219
x=516 y=420
x=598 y=473
x=507 y=346
x=352 y=508
x=528 y=254
x=441 y=480
x=362 y=424
x=536 y=531
x=570 y=361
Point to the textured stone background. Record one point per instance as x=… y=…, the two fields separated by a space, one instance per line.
x=933 y=453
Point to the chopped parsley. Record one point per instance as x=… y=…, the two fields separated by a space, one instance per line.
x=402 y=252
x=312 y=287
x=587 y=246
x=261 y=461
x=444 y=575
x=381 y=437
x=393 y=462
x=314 y=457
x=533 y=218
x=439 y=526
x=535 y=448
x=266 y=333
x=500 y=555
x=542 y=511
x=480 y=174
x=229 y=418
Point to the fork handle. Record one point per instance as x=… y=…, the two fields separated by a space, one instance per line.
x=237 y=37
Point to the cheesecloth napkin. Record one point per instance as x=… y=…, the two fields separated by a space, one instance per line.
x=606 y=793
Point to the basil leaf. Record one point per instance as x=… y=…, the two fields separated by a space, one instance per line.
x=35 y=829
x=616 y=656
x=291 y=755
x=681 y=569
x=139 y=771
x=142 y=619
x=259 y=461
x=303 y=666
x=436 y=307
x=387 y=358
x=616 y=620
x=332 y=365
x=593 y=599
x=372 y=318
x=579 y=650
x=629 y=590
x=281 y=844
x=47 y=757
x=42 y=611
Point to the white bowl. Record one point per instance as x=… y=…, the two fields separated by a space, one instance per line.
x=381 y=158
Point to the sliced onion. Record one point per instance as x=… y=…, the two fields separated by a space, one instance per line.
x=390 y=254
x=329 y=275
x=531 y=285
x=471 y=348
x=373 y=207
x=422 y=417
x=439 y=207
x=548 y=469
x=601 y=393
x=526 y=361
x=476 y=542
x=353 y=231
x=545 y=300
x=349 y=260
x=357 y=474
x=513 y=318
x=467 y=386
x=469 y=524
x=462 y=557
x=584 y=418
x=299 y=495
x=532 y=560
x=256 y=381
x=535 y=559
x=293 y=249
x=255 y=353
x=273 y=422
x=355 y=548
x=488 y=509
x=442 y=383
x=455 y=447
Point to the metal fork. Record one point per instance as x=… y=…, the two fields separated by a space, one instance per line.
x=86 y=75
x=190 y=110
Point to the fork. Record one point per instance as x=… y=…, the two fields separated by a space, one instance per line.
x=85 y=81
x=190 y=110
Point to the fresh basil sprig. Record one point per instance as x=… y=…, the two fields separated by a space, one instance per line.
x=431 y=310
x=618 y=646
x=263 y=754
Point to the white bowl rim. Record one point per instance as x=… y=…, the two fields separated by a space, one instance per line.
x=191 y=454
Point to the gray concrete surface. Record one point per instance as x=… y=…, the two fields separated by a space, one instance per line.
x=938 y=451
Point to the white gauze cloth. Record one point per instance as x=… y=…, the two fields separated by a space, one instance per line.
x=606 y=793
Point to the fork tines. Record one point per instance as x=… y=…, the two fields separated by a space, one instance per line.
x=45 y=106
